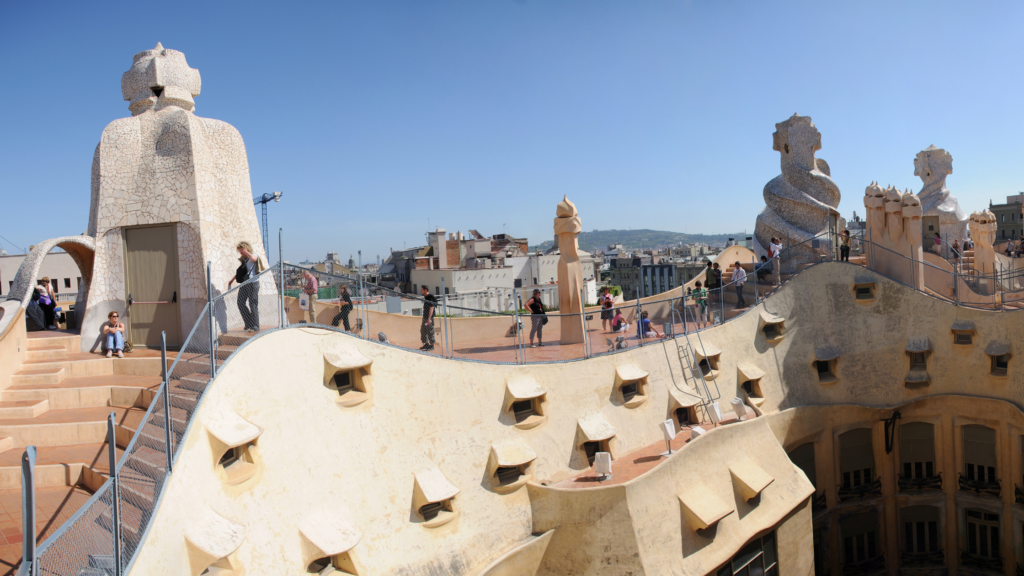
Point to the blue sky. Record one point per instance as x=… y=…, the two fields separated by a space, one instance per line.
x=374 y=117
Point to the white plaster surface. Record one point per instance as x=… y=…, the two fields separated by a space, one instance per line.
x=331 y=531
x=595 y=428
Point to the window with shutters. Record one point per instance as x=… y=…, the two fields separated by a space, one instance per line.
x=963 y=337
x=918 y=361
x=857 y=465
x=981 y=540
x=861 y=548
x=979 y=451
x=920 y=536
x=917 y=457
x=864 y=292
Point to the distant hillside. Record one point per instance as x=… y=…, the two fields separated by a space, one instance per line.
x=637 y=239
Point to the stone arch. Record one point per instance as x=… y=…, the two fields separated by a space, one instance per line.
x=82 y=250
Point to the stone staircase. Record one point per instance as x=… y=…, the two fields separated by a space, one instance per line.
x=59 y=402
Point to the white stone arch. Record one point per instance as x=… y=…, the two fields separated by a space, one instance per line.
x=82 y=250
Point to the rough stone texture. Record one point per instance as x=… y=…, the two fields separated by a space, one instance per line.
x=894 y=229
x=799 y=200
x=570 y=271
x=80 y=248
x=166 y=165
x=933 y=165
x=983 y=231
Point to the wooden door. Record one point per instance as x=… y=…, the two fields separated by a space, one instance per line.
x=151 y=275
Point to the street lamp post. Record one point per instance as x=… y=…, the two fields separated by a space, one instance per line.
x=276 y=197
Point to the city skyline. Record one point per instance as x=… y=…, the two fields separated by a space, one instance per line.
x=484 y=116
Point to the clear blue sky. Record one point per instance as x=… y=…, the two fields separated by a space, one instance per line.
x=374 y=116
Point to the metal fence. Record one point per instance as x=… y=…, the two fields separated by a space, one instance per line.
x=104 y=536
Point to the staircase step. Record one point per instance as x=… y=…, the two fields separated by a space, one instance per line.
x=234 y=338
x=37 y=376
x=47 y=353
x=223 y=351
x=15 y=409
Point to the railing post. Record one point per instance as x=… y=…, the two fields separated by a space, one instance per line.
x=362 y=292
x=209 y=303
x=28 y=512
x=753 y=260
x=583 y=320
x=280 y=267
x=789 y=260
x=639 y=311
x=519 y=328
x=167 y=398
x=444 y=319
x=115 y=510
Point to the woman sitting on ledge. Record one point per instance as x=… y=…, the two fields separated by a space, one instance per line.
x=114 y=333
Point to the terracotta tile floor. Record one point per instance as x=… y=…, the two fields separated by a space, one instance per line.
x=504 y=349
x=53 y=507
x=632 y=465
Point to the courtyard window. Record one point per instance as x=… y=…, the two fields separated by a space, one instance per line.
x=917 y=457
x=981 y=545
x=759 y=556
x=861 y=547
x=979 y=460
x=921 y=536
x=857 y=465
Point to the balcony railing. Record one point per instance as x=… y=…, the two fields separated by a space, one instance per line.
x=981 y=562
x=876 y=564
x=864 y=490
x=979 y=487
x=921 y=559
x=919 y=484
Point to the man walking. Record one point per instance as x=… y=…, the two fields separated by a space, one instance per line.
x=311 y=288
x=739 y=276
x=345 y=305
x=427 y=328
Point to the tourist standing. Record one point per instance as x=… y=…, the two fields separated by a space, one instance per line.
x=35 y=319
x=606 y=308
x=538 y=318
x=844 y=248
x=47 y=301
x=763 y=269
x=248 y=292
x=113 y=332
x=701 y=296
x=311 y=290
x=427 y=328
x=1009 y=248
x=739 y=277
x=710 y=279
x=938 y=244
x=345 y=303
x=956 y=250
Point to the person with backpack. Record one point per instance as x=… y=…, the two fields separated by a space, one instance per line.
x=35 y=318
x=538 y=318
x=345 y=304
x=250 y=265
